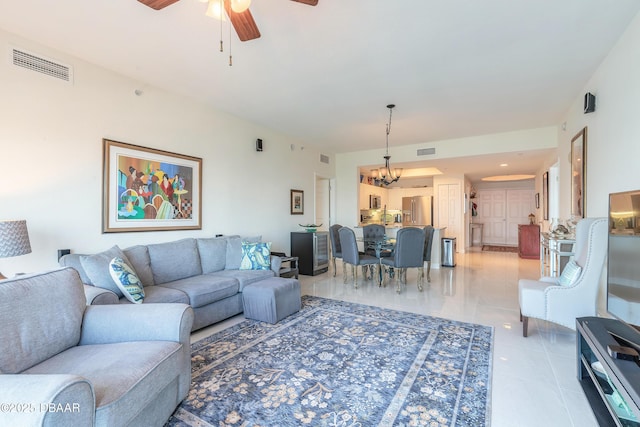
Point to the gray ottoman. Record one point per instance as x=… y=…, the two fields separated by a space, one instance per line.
x=272 y=299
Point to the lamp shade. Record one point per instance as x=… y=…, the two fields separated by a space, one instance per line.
x=14 y=238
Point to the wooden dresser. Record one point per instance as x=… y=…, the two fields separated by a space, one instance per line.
x=529 y=241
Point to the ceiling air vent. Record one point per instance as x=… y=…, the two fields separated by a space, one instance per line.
x=426 y=151
x=41 y=65
x=324 y=159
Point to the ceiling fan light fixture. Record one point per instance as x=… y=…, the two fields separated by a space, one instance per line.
x=215 y=10
x=239 y=6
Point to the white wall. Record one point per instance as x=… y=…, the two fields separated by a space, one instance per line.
x=51 y=160
x=613 y=131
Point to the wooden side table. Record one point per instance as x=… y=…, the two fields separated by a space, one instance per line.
x=529 y=241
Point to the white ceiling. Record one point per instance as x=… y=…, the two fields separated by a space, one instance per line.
x=325 y=74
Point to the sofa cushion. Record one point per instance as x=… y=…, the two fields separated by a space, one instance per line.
x=213 y=254
x=74 y=261
x=206 y=288
x=97 y=268
x=160 y=294
x=234 y=249
x=127 y=281
x=138 y=257
x=245 y=277
x=40 y=316
x=174 y=260
x=234 y=252
x=143 y=368
x=256 y=256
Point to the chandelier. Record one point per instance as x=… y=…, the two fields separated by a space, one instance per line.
x=387 y=175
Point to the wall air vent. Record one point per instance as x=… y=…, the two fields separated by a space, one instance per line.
x=39 y=64
x=426 y=151
x=324 y=159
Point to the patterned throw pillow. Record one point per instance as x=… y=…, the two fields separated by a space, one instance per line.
x=256 y=256
x=570 y=273
x=127 y=280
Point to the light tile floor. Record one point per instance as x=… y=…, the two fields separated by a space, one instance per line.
x=534 y=379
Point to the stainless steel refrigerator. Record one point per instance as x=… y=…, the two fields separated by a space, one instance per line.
x=417 y=211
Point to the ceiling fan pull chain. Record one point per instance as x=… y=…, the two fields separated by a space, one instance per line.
x=230 y=57
x=221 y=45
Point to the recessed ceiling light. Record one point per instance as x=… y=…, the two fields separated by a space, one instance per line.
x=508 y=177
x=502 y=165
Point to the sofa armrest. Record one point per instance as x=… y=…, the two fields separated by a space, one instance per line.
x=46 y=400
x=144 y=322
x=549 y=279
x=99 y=296
x=276 y=263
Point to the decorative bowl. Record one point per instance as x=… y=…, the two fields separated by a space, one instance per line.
x=310 y=228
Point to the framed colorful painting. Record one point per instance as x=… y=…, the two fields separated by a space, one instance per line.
x=145 y=189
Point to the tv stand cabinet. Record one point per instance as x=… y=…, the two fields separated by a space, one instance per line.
x=612 y=387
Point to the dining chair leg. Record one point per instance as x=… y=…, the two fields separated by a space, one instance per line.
x=333 y=260
x=420 y=278
x=355 y=276
x=383 y=275
x=378 y=273
x=345 y=276
x=429 y=271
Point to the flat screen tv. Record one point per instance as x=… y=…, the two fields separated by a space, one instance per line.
x=623 y=261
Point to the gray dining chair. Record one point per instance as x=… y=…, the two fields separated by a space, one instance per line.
x=408 y=253
x=428 y=243
x=336 y=247
x=351 y=256
x=373 y=233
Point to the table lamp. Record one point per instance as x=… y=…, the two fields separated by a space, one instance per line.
x=14 y=239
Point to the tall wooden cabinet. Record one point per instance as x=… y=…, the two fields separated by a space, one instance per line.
x=529 y=241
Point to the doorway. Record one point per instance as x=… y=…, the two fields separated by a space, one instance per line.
x=324 y=206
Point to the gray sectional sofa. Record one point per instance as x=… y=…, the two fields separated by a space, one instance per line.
x=202 y=272
x=64 y=363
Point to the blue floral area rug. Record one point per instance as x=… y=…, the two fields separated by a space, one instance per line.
x=336 y=363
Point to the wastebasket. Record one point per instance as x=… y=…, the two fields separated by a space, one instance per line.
x=448 y=251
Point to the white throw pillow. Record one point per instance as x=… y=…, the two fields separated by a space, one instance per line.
x=570 y=274
x=127 y=280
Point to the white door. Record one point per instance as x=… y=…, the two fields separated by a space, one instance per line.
x=492 y=208
x=501 y=211
x=450 y=211
x=520 y=203
x=322 y=203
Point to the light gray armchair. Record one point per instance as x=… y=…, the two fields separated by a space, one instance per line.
x=64 y=363
x=550 y=299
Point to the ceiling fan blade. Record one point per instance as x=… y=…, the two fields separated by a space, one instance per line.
x=309 y=2
x=157 y=4
x=243 y=23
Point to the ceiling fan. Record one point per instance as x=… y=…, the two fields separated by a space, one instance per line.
x=243 y=22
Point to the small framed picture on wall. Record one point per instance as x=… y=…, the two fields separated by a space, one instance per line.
x=297 y=202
